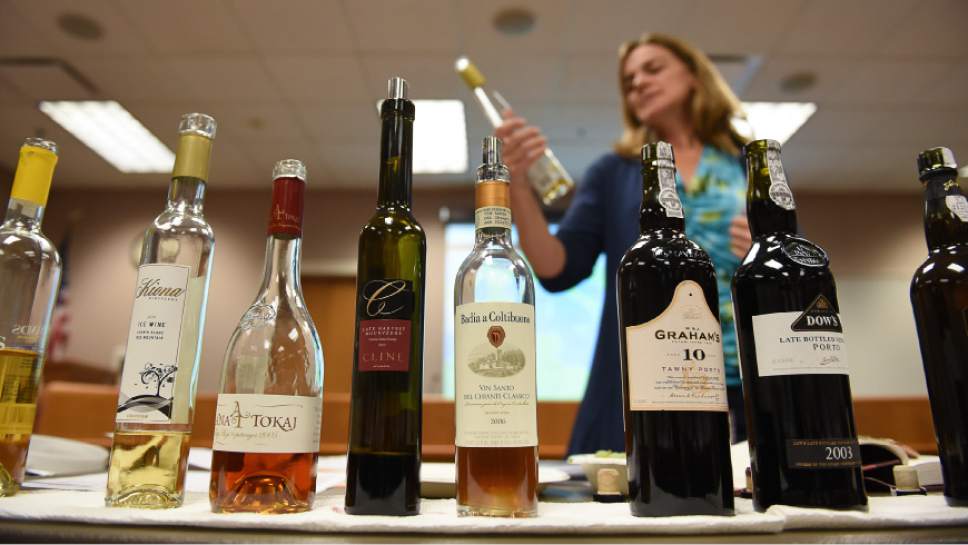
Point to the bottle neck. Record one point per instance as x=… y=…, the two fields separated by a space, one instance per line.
x=186 y=195
x=396 y=154
x=24 y=215
x=281 y=279
x=769 y=201
x=943 y=199
x=661 y=207
x=492 y=207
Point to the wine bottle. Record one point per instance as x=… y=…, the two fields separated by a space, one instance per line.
x=270 y=401
x=939 y=295
x=30 y=270
x=673 y=376
x=547 y=176
x=803 y=442
x=383 y=465
x=156 y=402
x=494 y=347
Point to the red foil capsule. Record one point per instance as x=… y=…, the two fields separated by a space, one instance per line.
x=286 y=214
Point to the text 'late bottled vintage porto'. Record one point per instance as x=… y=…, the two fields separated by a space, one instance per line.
x=673 y=379
x=939 y=294
x=803 y=443
x=383 y=465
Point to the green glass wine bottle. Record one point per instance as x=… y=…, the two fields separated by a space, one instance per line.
x=383 y=466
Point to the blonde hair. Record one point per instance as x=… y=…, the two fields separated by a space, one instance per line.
x=711 y=108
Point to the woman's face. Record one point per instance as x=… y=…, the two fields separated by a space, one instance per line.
x=657 y=84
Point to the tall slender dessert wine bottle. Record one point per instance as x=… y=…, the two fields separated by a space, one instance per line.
x=156 y=402
x=673 y=379
x=30 y=270
x=270 y=402
x=803 y=443
x=383 y=465
x=939 y=294
x=494 y=346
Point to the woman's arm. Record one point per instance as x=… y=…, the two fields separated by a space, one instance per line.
x=523 y=145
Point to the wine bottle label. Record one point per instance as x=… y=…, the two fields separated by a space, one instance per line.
x=780 y=192
x=150 y=378
x=18 y=391
x=810 y=342
x=675 y=360
x=804 y=252
x=668 y=195
x=286 y=215
x=492 y=216
x=385 y=308
x=958 y=205
x=495 y=394
x=264 y=423
x=822 y=453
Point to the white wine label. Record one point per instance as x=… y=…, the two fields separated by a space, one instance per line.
x=150 y=379
x=675 y=361
x=958 y=204
x=780 y=192
x=668 y=195
x=496 y=395
x=264 y=423
x=492 y=216
x=810 y=342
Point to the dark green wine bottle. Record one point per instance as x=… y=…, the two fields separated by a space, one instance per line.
x=939 y=295
x=673 y=379
x=803 y=443
x=383 y=466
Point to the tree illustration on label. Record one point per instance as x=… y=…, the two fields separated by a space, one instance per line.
x=494 y=359
x=156 y=376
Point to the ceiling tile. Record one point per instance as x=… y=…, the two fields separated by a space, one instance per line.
x=478 y=34
x=263 y=156
x=44 y=82
x=195 y=27
x=405 y=25
x=951 y=88
x=590 y=77
x=596 y=27
x=352 y=166
x=18 y=37
x=306 y=26
x=428 y=76
x=223 y=78
x=343 y=124
x=934 y=29
x=881 y=82
x=751 y=26
x=529 y=77
x=119 y=38
x=832 y=124
x=133 y=80
x=831 y=76
x=833 y=27
x=316 y=78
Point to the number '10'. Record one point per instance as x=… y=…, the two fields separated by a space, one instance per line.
x=697 y=354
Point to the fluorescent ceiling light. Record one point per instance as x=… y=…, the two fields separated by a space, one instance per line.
x=113 y=133
x=776 y=120
x=439 y=137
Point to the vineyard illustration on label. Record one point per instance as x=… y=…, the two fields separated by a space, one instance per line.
x=495 y=359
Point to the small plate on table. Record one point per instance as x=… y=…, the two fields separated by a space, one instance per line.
x=55 y=456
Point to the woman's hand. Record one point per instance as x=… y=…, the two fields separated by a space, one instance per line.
x=523 y=145
x=740 y=238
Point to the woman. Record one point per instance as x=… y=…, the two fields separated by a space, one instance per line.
x=671 y=91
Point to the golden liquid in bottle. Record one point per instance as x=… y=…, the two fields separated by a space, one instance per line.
x=147 y=469
x=19 y=379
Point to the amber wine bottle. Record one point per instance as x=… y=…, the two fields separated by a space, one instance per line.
x=939 y=294
x=156 y=402
x=383 y=464
x=30 y=270
x=803 y=443
x=494 y=346
x=673 y=376
x=270 y=401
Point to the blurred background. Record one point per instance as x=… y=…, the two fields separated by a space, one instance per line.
x=301 y=79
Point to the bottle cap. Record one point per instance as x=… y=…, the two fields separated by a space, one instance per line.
x=469 y=73
x=289 y=168
x=200 y=124
x=41 y=143
x=397 y=88
x=658 y=151
x=935 y=159
x=491 y=150
x=608 y=482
